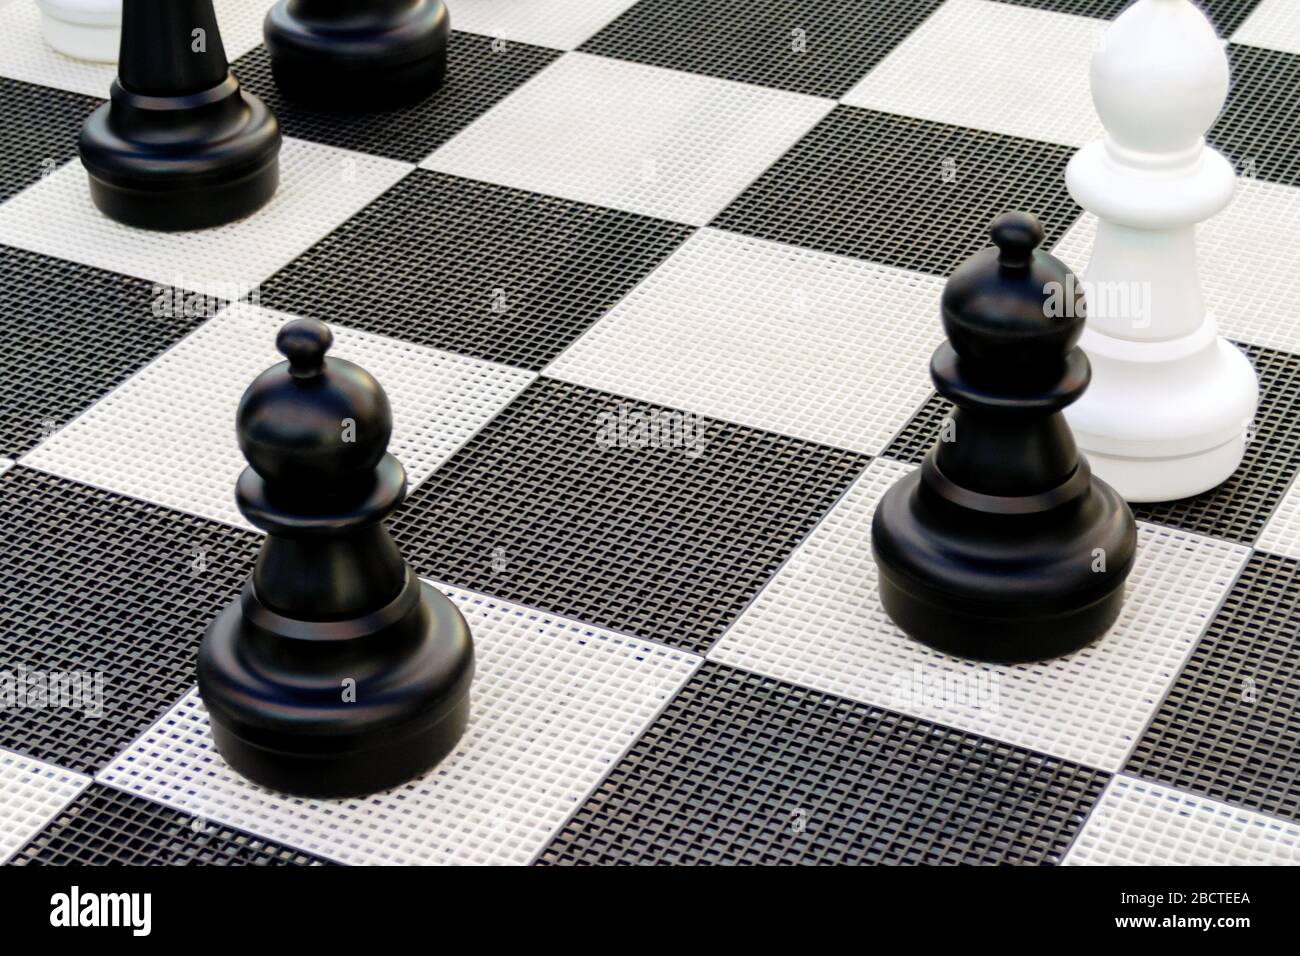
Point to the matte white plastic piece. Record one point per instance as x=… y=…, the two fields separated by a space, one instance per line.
x=83 y=29
x=1170 y=405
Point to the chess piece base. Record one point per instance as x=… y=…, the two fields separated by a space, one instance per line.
x=186 y=162
x=283 y=712
x=357 y=65
x=1197 y=397
x=83 y=31
x=1002 y=587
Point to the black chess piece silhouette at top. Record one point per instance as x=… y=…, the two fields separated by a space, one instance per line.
x=337 y=671
x=1002 y=545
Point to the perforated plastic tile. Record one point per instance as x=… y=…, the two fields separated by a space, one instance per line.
x=168 y=433
x=25 y=55
x=1246 y=262
x=1260 y=125
x=1224 y=14
x=820 y=623
x=502 y=274
x=40 y=132
x=559 y=503
x=1238 y=508
x=477 y=77
x=1136 y=823
x=554 y=705
x=803 y=343
x=902 y=191
x=810 y=46
x=109 y=590
x=1230 y=726
x=744 y=769
x=105 y=827
x=31 y=795
x=1282 y=533
x=53 y=366
x=969 y=64
x=633 y=152
x=320 y=187
x=1274 y=24
x=562 y=24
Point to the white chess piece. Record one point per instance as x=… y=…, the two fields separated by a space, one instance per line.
x=1171 y=403
x=83 y=29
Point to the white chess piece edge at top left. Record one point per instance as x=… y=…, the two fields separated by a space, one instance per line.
x=83 y=29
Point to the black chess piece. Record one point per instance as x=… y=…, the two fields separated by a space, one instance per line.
x=366 y=56
x=1002 y=546
x=178 y=145
x=336 y=672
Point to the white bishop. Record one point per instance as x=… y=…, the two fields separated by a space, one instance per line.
x=1170 y=405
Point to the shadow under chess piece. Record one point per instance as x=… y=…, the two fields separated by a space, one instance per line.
x=336 y=672
x=178 y=145
x=357 y=57
x=1003 y=546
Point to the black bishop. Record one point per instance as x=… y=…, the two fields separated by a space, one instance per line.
x=336 y=672
x=1003 y=546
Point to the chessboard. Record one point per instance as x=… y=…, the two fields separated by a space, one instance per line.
x=653 y=286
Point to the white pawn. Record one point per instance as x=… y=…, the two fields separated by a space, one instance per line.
x=83 y=29
x=1171 y=403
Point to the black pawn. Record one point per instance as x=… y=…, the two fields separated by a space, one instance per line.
x=336 y=672
x=1002 y=546
x=178 y=145
x=364 y=56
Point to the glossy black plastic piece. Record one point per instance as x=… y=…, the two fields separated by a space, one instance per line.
x=178 y=145
x=359 y=56
x=1003 y=546
x=336 y=672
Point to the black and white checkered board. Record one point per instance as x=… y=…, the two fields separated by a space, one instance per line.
x=619 y=211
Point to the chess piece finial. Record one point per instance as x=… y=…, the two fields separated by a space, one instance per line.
x=335 y=57
x=179 y=145
x=1003 y=546
x=337 y=671
x=1171 y=402
x=83 y=29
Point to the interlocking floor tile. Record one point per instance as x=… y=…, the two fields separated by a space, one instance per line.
x=1273 y=24
x=969 y=64
x=40 y=131
x=1226 y=15
x=807 y=344
x=478 y=77
x=633 y=151
x=627 y=515
x=1260 y=126
x=1230 y=727
x=68 y=334
x=810 y=46
x=554 y=705
x=902 y=191
x=744 y=769
x=105 y=598
x=1136 y=823
x=31 y=795
x=561 y=24
x=168 y=433
x=820 y=624
x=320 y=187
x=105 y=827
x=501 y=274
